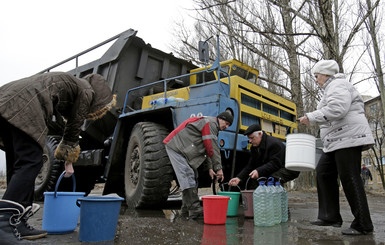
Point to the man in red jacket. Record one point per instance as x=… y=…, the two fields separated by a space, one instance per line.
x=188 y=146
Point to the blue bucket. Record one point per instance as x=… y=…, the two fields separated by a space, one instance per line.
x=98 y=217
x=60 y=214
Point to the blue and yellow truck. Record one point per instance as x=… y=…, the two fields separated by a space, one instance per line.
x=155 y=93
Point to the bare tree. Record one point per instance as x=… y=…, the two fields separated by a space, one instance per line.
x=376 y=119
x=373 y=24
x=283 y=38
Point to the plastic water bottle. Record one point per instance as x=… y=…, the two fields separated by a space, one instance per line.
x=279 y=189
x=172 y=99
x=262 y=204
x=179 y=99
x=161 y=101
x=274 y=194
x=284 y=201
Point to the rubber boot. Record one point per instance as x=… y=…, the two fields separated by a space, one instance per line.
x=26 y=231
x=184 y=209
x=190 y=196
x=10 y=212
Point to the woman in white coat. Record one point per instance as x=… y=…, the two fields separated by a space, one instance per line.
x=345 y=133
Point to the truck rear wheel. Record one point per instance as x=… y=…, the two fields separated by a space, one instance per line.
x=148 y=172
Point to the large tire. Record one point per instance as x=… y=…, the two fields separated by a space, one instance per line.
x=50 y=171
x=148 y=172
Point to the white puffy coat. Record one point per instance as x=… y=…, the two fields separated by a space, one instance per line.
x=341 y=116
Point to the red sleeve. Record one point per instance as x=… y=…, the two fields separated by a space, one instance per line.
x=180 y=127
x=207 y=139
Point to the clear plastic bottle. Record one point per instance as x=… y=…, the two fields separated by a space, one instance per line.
x=179 y=99
x=262 y=205
x=274 y=194
x=161 y=101
x=279 y=190
x=284 y=202
x=171 y=99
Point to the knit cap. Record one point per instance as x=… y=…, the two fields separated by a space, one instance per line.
x=227 y=116
x=326 y=67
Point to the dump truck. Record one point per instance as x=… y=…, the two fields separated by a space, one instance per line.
x=156 y=92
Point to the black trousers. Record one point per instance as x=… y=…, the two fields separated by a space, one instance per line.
x=24 y=159
x=345 y=163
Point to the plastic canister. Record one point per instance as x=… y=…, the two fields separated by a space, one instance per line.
x=300 y=152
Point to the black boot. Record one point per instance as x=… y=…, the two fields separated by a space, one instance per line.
x=191 y=199
x=183 y=209
x=26 y=231
x=9 y=215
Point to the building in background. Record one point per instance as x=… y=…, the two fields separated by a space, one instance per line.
x=375 y=117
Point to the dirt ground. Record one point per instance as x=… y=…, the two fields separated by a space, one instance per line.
x=165 y=227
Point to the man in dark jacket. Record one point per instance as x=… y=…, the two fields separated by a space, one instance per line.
x=188 y=146
x=26 y=107
x=267 y=158
x=365 y=175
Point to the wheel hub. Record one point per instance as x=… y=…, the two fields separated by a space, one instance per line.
x=135 y=163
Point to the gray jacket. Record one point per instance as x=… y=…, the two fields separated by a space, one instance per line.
x=341 y=116
x=197 y=140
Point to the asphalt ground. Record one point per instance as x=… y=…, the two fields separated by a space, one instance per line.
x=166 y=227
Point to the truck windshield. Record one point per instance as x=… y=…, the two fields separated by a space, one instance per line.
x=245 y=74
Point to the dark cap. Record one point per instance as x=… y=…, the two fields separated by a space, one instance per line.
x=252 y=128
x=227 y=116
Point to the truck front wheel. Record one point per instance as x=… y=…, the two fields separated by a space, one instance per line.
x=148 y=172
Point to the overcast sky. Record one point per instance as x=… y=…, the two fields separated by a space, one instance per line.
x=35 y=34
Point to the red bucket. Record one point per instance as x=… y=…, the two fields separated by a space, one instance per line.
x=215 y=209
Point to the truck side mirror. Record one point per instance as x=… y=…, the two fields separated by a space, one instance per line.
x=203 y=51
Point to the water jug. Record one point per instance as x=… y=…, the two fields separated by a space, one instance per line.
x=263 y=206
x=284 y=201
x=273 y=194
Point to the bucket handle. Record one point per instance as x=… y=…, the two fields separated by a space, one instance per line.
x=247 y=181
x=60 y=178
x=227 y=183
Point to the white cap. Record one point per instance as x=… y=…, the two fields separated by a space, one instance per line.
x=326 y=67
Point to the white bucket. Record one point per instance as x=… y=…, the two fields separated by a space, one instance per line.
x=300 y=152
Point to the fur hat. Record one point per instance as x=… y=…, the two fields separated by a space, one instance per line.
x=67 y=151
x=252 y=128
x=326 y=67
x=103 y=99
x=227 y=116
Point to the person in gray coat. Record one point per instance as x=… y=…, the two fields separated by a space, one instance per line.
x=345 y=133
x=189 y=145
x=27 y=106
